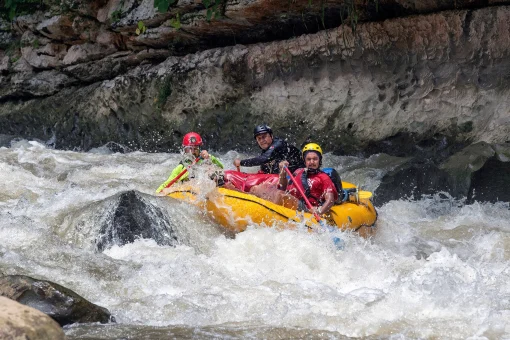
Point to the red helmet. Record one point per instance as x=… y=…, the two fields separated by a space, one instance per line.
x=192 y=139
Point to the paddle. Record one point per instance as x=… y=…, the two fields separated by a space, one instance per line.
x=183 y=172
x=339 y=243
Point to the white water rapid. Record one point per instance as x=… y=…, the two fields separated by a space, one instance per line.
x=436 y=268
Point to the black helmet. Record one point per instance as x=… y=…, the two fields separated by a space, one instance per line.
x=263 y=128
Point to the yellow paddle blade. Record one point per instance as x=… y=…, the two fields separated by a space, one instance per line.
x=364 y=194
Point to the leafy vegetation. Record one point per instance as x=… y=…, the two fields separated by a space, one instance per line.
x=176 y=22
x=9 y=9
x=141 y=28
x=117 y=14
x=162 y=5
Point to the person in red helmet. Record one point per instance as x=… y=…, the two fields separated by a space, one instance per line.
x=191 y=144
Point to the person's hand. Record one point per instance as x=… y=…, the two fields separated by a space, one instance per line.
x=165 y=192
x=237 y=162
x=283 y=164
x=316 y=210
x=204 y=154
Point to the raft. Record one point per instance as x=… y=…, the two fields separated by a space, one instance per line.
x=235 y=210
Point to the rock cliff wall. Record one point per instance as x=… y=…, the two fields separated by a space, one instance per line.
x=441 y=74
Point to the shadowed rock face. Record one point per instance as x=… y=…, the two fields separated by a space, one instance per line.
x=491 y=183
x=412 y=180
x=61 y=304
x=479 y=172
x=132 y=218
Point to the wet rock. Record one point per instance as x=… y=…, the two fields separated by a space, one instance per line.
x=412 y=180
x=41 y=84
x=18 y=321
x=464 y=163
x=61 y=304
x=117 y=148
x=6 y=141
x=491 y=182
x=479 y=172
x=132 y=217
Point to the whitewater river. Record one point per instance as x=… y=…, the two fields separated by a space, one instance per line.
x=436 y=268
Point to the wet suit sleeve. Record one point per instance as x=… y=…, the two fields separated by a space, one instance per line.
x=216 y=161
x=176 y=171
x=265 y=157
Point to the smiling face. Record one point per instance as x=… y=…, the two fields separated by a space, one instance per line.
x=195 y=150
x=264 y=140
x=312 y=160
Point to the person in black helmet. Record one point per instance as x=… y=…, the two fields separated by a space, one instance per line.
x=274 y=150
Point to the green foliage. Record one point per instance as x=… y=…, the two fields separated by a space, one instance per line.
x=213 y=8
x=176 y=22
x=116 y=15
x=14 y=8
x=162 y=5
x=141 y=28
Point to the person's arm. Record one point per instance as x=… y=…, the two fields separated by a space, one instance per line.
x=259 y=160
x=328 y=203
x=265 y=157
x=216 y=161
x=175 y=172
x=282 y=179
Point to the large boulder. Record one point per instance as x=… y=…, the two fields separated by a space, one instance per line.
x=478 y=172
x=412 y=180
x=18 y=321
x=133 y=217
x=61 y=304
x=491 y=182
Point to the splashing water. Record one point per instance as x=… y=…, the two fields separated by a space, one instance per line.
x=437 y=268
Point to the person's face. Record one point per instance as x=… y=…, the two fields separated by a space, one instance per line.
x=194 y=150
x=264 y=140
x=312 y=160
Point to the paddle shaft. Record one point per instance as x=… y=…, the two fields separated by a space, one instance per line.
x=182 y=172
x=298 y=187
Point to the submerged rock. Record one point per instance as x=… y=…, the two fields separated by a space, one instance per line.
x=133 y=217
x=61 y=304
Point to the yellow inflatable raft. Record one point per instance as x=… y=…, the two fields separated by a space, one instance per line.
x=235 y=210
